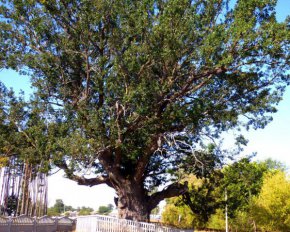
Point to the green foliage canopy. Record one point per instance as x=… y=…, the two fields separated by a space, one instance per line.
x=131 y=87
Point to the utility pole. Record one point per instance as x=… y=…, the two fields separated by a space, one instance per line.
x=226 y=200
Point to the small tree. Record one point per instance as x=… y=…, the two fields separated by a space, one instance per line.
x=85 y=210
x=57 y=209
x=105 y=209
x=131 y=88
x=242 y=180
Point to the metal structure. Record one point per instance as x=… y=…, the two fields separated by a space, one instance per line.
x=23 y=189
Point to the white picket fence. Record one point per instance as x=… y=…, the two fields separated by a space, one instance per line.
x=98 y=223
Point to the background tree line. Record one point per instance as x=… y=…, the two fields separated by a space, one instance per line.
x=59 y=208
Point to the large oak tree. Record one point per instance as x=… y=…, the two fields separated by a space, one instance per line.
x=130 y=88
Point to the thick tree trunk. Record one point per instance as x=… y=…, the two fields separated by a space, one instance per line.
x=132 y=202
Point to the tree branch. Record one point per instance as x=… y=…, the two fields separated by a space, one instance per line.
x=81 y=180
x=172 y=190
x=144 y=159
x=188 y=86
x=91 y=181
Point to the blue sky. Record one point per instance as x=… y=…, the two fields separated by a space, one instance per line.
x=271 y=142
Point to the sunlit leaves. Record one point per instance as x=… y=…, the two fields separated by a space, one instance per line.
x=271 y=208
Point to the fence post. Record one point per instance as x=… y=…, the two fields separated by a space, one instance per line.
x=34 y=224
x=9 y=223
x=56 y=222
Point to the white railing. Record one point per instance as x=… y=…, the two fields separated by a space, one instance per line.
x=98 y=223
